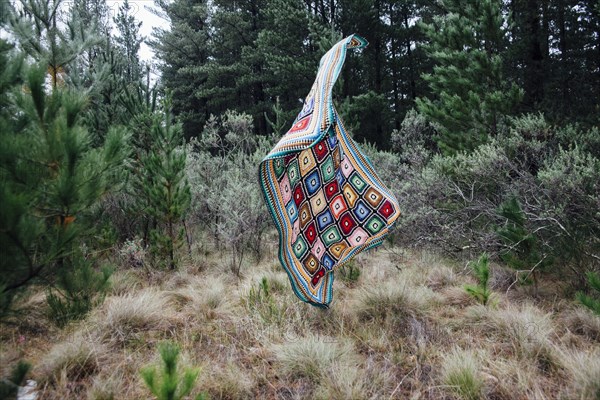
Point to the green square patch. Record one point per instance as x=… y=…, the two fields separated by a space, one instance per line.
x=300 y=247
x=331 y=236
x=279 y=167
x=327 y=169
x=375 y=224
x=293 y=173
x=358 y=183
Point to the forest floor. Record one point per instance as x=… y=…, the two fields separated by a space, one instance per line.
x=405 y=329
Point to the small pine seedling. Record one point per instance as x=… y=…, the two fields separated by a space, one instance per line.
x=481 y=269
x=593 y=303
x=171 y=383
x=350 y=273
x=9 y=387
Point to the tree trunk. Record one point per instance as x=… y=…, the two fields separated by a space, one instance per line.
x=534 y=73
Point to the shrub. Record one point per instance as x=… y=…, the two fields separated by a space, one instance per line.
x=453 y=202
x=567 y=204
x=523 y=251
x=219 y=169
x=415 y=130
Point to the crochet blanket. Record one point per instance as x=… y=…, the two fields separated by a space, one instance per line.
x=326 y=200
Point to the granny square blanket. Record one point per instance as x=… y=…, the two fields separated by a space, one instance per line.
x=326 y=200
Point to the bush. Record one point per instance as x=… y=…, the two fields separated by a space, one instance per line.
x=568 y=202
x=221 y=168
x=522 y=250
x=454 y=202
x=415 y=130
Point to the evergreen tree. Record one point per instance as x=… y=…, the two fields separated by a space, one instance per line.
x=165 y=184
x=480 y=292
x=51 y=179
x=471 y=92
x=291 y=59
x=591 y=302
x=36 y=27
x=52 y=176
x=183 y=53
x=129 y=41
x=171 y=382
x=522 y=251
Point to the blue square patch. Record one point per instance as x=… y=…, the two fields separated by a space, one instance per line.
x=324 y=219
x=327 y=261
x=313 y=182
x=361 y=211
x=292 y=211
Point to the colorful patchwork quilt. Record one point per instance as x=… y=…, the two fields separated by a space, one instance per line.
x=323 y=193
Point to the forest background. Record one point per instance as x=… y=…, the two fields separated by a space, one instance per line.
x=481 y=116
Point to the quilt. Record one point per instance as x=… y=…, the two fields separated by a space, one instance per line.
x=323 y=193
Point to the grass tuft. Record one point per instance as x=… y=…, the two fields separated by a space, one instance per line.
x=584 y=368
x=314 y=356
x=72 y=360
x=461 y=373
x=583 y=322
x=227 y=381
x=123 y=318
x=394 y=303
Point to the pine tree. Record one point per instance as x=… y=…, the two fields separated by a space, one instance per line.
x=171 y=382
x=471 y=93
x=52 y=175
x=165 y=184
x=591 y=302
x=36 y=26
x=522 y=251
x=481 y=291
x=290 y=60
x=129 y=41
x=183 y=52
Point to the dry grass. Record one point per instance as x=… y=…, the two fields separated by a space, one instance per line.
x=529 y=330
x=125 y=281
x=201 y=299
x=228 y=381
x=405 y=330
x=461 y=373
x=126 y=318
x=106 y=387
x=394 y=300
x=72 y=359
x=313 y=356
x=584 y=370
x=582 y=322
